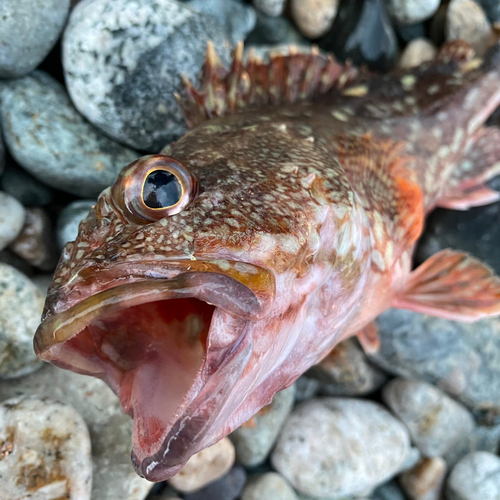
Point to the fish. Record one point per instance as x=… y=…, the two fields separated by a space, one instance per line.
x=213 y=274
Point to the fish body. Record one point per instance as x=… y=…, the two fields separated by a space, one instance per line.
x=298 y=197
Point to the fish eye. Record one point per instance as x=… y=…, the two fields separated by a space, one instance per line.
x=154 y=187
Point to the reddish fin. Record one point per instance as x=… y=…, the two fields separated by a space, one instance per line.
x=368 y=338
x=466 y=186
x=284 y=79
x=452 y=285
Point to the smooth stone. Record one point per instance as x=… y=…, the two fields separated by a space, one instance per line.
x=274 y=31
x=363 y=34
x=417 y=52
x=28 y=31
x=110 y=429
x=408 y=32
x=388 y=491
x=270 y=7
x=204 y=467
x=237 y=18
x=69 y=219
x=48 y=137
x=44 y=451
x=21 y=305
x=475 y=477
x=271 y=485
x=36 y=242
x=228 y=487
x=412 y=11
x=254 y=439
x=426 y=480
x=338 y=446
x=306 y=388
x=437 y=423
x=314 y=17
x=460 y=359
x=12 y=215
x=123 y=60
x=346 y=371
x=466 y=20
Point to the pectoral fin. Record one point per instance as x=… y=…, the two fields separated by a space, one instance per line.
x=452 y=285
x=368 y=338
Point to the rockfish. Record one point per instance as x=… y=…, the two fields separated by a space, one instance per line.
x=212 y=275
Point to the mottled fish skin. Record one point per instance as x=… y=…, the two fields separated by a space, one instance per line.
x=315 y=205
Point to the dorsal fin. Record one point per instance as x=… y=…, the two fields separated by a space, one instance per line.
x=284 y=79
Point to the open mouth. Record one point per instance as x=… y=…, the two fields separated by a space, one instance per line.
x=157 y=342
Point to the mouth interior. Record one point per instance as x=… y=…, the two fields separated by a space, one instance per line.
x=150 y=354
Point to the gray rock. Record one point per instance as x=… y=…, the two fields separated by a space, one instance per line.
x=110 y=429
x=346 y=371
x=21 y=306
x=461 y=359
x=492 y=9
x=45 y=451
x=254 y=440
x=306 y=388
x=270 y=485
x=123 y=60
x=388 y=491
x=425 y=481
x=475 y=477
x=237 y=18
x=274 y=30
x=47 y=136
x=412 y=11
x=270 y=7
x=69 y=219
x=228 y=487
x=12 y=216
x=28 y=30
x=335 y=447
x=314 y=18
x=2 y=153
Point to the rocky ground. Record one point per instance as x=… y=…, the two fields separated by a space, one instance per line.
x=85 y=88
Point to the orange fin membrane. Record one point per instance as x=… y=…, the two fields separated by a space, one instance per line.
x=467 y=186
x=284 y=79
x=452 y=285
x=369 y=339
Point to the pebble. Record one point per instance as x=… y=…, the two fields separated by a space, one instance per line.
x=122 y=60
x=21 y=306
x=339 y=446
x=426 y=480
x=388 y=491
x=49 y=138
x=461 y=359
x=228 y=487
x=28 y=31
x=412 y=11
x=205 y=467
x=314 y=17
x=237 y=18
x=270 y=7
x=254 y=439
x=417 y=52
x=110 y=429
x=69 y=219
x=36 y=243
x=466 y=20
x=437 y=424
x=274 y=31
x=475 y=477
x=12 y=216
x=268 y=486
x=346 y=371
x=306 y=388
x=44 y=451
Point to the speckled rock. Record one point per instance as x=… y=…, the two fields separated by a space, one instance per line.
x=12 y=215
x=49 y=138
x=466 y=20
x=28 y=30
x=254 y=439
x=205 y=467
x=228 y=487
x=237 y=17
x=417 y=52
x=21 y=306
x=412 y=11
x=461 y=359
x=314 y=17
x=346 y=371
x=110 y=429
x=122 y=61
x=329 y=447
x=44 y=451
x=269 y=485
x=69 y=219
x=274 y=30
x=270 y=7
x=426 y=480
x=475 y=477
x=437 y=424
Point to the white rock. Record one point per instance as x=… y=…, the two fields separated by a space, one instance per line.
x=314 y=17
x=417 y=51
x=268 y=486
x=12 y=215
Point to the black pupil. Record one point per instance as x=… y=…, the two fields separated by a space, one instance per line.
x=161 y=189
